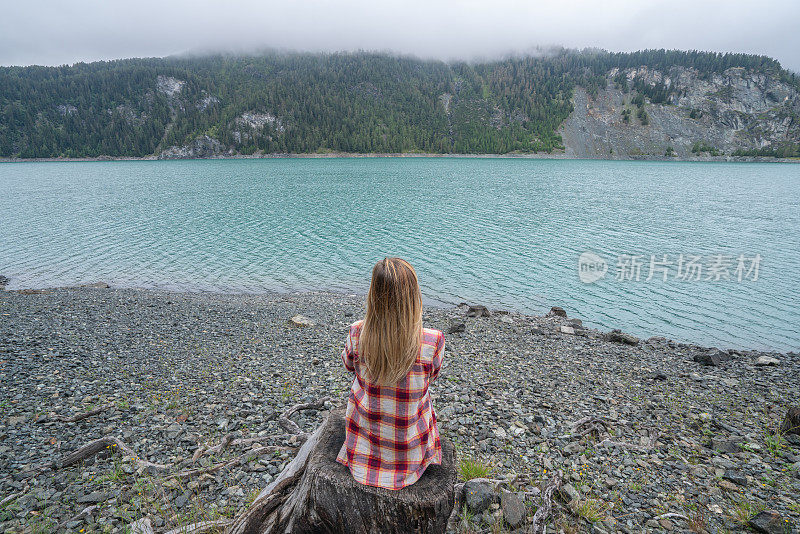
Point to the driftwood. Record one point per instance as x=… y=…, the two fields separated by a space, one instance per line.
x=85 y=512
x=590 y=424
x=110 y=443
x=217 y=449
x=13 y=496
x=117 y=445
x=82 y=416
x=543 y=512
x=199 y=528
x=290 y=426
x=671 y=516
x=229 y=441
x=246 y=457
x=314 y=493
x=97 y=446
x=622 y=445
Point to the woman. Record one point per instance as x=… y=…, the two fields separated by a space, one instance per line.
x=391 y=435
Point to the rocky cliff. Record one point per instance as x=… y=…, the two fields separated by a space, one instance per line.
x=694 y=116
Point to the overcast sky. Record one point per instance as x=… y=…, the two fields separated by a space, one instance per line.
x=53 y=32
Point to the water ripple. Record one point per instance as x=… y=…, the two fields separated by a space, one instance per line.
x=503 y=232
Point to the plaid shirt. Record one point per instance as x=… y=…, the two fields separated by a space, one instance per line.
x=391 y=435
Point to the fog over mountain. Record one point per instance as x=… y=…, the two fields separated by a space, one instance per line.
x=52 y=32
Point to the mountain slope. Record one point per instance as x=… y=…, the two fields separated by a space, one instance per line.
x=373 y=103
x=735 y=112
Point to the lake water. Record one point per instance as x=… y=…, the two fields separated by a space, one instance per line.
x=507 y=233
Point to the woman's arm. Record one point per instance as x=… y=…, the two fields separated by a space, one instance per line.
x=438 y=355
x=348 y=355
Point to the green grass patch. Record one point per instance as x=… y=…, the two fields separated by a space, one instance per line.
x=470 y=468
x=743 y=511
x=592 y=510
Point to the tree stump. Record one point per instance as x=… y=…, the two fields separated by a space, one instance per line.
x=315 y=493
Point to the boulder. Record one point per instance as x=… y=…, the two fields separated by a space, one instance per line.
x=712 y=357
x=301 y=320
x=578 y=328
x=513 y=509
x=726 y=446
x=564 y=329
x=618 y=336
x=457 y=328
x=569 y=493
x=735 y=476
x=764 y=361
x=770 y=522
x=478 y=311
x=141 y=526
x=3 y=281
x=478 y=494
x=557 y=311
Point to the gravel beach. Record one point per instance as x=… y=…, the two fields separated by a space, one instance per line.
x=674 y=437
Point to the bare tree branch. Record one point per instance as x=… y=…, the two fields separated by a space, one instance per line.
x=16 y=495
x=292 y=427
x=671 y=515
x=109 y=443
x=650 y=445
x=541 y=515
x=84 y=415
x=246 y=457
x=203 y=526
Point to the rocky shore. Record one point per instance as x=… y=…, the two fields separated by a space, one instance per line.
x=648 y=435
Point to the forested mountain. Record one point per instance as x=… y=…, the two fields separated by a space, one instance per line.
x=371 y=103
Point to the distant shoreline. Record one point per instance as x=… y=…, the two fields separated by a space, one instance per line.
x=341 y=155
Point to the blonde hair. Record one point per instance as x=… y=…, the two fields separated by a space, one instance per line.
x=392 y=331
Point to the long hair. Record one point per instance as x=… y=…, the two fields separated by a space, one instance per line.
x=392 y=331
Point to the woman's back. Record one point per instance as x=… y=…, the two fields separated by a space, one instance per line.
x=391 y=434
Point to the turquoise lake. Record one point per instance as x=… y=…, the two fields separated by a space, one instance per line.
x=507 y=233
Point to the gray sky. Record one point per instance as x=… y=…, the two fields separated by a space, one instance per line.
x=53 y=32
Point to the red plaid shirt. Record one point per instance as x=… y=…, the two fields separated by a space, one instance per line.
x=391 y=435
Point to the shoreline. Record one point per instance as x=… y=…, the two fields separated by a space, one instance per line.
x=170 y=374
x=351 y=293
x=346 y=155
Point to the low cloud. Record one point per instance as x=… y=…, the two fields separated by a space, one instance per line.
x=56 y=32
